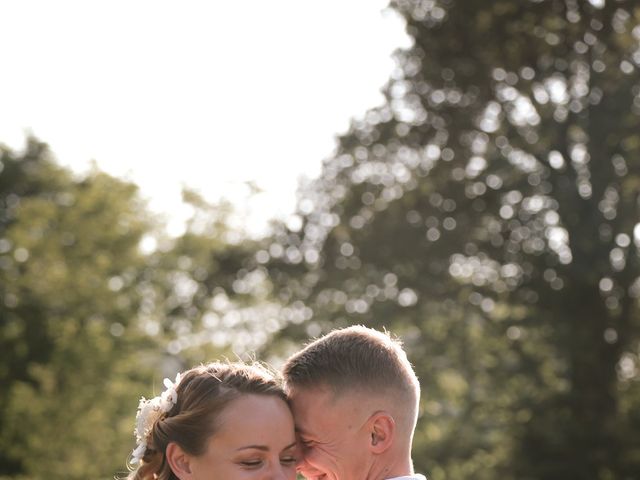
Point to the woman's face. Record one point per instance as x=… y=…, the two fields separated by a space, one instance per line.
x=255 y=440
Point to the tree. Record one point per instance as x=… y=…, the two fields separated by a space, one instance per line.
x=72 y=355
x=488 y=213
x=202 y=298
x=98 y=304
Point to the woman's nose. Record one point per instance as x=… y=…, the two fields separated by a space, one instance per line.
x=282 y=473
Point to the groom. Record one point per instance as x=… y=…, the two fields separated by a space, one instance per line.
x=355 y=399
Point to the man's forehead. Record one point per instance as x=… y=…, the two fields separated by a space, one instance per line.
x=318 y=407
x=306 y=396
x=329 y=394
x=316 y=416
x=308 y=411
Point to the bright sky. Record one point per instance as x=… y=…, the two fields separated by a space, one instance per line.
x=211 y=94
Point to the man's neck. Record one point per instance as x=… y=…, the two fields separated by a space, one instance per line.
x=390 y=468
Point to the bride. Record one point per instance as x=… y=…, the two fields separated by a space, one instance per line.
x=221 y=421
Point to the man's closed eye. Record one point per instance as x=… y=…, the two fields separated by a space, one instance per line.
x=306 y=444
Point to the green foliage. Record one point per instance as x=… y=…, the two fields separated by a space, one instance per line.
x=68 y=345
x=97 y=305
x=202 y=298
x=487 y=213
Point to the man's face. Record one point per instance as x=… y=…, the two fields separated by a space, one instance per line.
x=333 y=434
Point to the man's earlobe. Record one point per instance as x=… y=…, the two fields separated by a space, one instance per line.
x=383 y=429
x=179 y=461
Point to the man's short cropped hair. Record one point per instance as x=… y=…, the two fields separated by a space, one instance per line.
x=351 y=359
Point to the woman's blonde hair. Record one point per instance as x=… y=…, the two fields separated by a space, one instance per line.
x=202 y=394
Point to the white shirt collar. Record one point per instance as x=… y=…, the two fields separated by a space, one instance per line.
x=410 y=477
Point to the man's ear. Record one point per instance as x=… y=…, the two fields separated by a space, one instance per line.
x=179 y=461
x=382 y=431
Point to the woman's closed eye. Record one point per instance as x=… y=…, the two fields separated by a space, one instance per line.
x=285 y=459
x=252 y=463
x=288 y=460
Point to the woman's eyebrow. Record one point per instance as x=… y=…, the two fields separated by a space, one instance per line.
x=263 y=448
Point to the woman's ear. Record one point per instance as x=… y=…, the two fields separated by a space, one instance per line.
x=179 y=461
x=382 y=431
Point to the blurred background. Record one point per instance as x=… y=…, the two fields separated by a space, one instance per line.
x=480 y=200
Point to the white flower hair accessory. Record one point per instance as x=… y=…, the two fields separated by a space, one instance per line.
x=149 y=412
